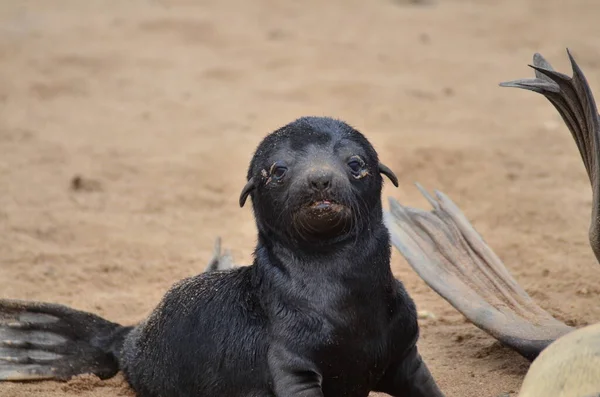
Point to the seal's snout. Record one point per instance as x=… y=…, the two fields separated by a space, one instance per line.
x=320 y=180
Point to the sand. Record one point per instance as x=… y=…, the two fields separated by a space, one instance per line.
x=156 y=106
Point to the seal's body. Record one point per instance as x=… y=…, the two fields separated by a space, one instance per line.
x=255 y=330
x=318 y=313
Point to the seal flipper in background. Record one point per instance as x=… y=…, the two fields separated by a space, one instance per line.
x=49 y=341
x=574 y=101
x=220 y=261
x=451 y=257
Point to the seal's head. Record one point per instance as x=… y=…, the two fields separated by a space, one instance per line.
x=316 y=179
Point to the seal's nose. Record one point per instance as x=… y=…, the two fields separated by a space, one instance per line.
x=320 y=180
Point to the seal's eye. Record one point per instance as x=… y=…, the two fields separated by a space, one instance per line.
x=356 y=165
x=278 y=171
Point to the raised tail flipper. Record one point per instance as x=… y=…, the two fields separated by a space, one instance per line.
x=49 y=341
x=451 y=257
x=573 y=99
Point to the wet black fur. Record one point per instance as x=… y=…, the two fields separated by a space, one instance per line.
x=306 y=318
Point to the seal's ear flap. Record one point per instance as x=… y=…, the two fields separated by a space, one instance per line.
x=246 y=191
x=383 y=169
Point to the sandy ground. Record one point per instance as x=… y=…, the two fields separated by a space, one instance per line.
x=158 y=106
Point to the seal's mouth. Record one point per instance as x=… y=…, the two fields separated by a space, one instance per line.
x=326 y=205
x=323 y=218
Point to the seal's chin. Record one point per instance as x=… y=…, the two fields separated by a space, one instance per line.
x=323 y=219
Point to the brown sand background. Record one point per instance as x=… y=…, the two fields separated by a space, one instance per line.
x=158 y=105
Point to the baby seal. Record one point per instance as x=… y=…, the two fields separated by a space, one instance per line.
x=318 y=313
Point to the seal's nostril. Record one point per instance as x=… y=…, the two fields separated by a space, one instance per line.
x=320 y=182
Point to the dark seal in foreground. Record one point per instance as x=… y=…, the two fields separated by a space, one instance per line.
x=318 y=313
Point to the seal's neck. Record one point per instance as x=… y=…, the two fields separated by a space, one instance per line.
x=366 y=256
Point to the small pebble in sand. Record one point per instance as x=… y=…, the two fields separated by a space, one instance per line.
x=584 y=291
x=79 y=183
x=424 y=314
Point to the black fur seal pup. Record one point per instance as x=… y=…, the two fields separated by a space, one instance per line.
x=318 y=313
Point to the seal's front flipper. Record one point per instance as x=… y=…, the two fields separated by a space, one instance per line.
x=48 y=341
x=573 y=99
x=220 y=261
x=409 y=377
x=451 y=257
